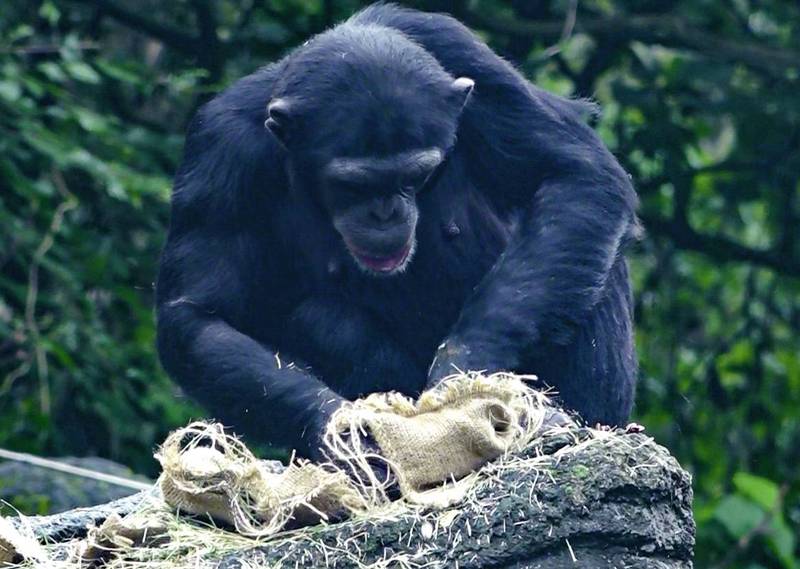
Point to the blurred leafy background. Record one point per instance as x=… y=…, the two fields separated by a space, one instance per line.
x=701 y=102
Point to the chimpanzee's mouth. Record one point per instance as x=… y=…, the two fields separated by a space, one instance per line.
x=384 y=264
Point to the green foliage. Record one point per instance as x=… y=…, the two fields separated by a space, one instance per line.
x=700 y=103
x=83 y=206
x=753 y=512
x=30 y=504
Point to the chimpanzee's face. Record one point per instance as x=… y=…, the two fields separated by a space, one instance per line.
x=372 y=202
x=368 y=177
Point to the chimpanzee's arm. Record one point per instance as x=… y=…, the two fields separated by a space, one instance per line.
x=577 y=209
x=209 y=277
x=534 y=151
x=242 y=382
x=554 y=272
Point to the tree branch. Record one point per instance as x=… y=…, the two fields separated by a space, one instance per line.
x=211 y=55
x=670 y=31
x=47 y=242
x=171 y=36
x=737 y=553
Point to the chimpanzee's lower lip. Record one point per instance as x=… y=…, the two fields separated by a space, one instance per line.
x=384 y=264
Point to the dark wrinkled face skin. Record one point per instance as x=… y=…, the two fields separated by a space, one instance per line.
x=372 y=203
x=368 y=172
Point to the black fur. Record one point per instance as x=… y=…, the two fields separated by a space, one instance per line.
x=264 y=318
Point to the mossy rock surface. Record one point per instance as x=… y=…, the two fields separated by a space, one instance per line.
x=576 y=499
x=619 y=501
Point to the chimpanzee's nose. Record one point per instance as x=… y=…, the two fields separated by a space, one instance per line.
x=385 y=209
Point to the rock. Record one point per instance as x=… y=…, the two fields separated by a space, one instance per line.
x=575 y=499
x=615 y=501
x=75 y=523
x=34 y=489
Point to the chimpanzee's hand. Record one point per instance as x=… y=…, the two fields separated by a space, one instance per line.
x=455 y=356
x=380 y=468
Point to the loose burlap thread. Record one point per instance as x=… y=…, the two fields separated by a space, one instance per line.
x=17 y=546
x=431 y=446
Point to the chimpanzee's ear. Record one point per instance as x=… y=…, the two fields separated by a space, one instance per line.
x=461 y=89
x=279 y=119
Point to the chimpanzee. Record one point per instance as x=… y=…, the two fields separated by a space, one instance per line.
x=390 y=203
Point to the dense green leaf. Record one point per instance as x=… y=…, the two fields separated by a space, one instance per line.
x=739 y=515
x=760 y=490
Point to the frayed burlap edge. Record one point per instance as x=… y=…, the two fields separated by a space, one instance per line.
x=117 y=535
x=207 y=471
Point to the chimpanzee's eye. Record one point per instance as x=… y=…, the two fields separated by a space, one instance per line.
x=349 y=190
x=413 y=184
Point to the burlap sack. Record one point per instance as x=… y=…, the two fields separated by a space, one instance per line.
x=447 y=434
x=208 y=472
x=429 y=445
x=432 y=447
x=117 y=535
